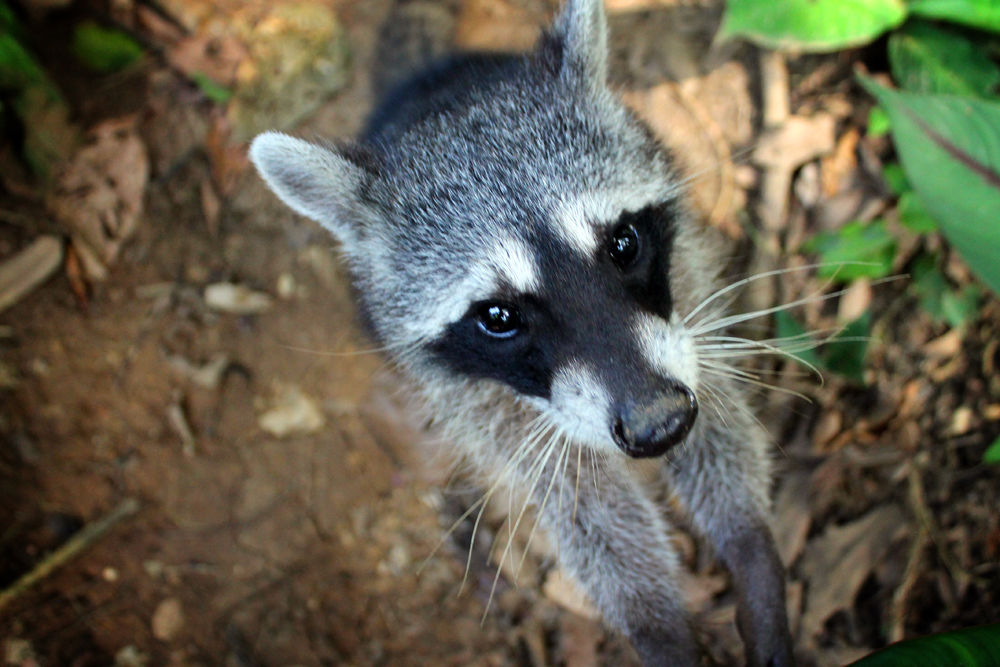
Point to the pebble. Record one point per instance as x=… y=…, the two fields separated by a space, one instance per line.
x=168 y=619
x=236 y=299
x=291 y=412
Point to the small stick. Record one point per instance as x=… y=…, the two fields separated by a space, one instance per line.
x=73 y=547
x=777 y=180
x=923 y=513
x=775 y=88
x=900 y=598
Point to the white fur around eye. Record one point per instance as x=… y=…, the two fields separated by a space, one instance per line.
x=513 y=261
x=582 y=220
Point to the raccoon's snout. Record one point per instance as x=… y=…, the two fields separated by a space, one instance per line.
x=650 y=427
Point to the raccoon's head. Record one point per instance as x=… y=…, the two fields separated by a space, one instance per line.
x=507 y=220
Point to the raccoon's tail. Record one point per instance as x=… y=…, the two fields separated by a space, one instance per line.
x=416 y=33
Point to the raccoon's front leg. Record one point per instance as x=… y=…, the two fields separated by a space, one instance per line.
x=614 y=541
x=722 y=473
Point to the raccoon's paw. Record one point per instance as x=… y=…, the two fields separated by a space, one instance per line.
x=770 y=645
x=662 y=648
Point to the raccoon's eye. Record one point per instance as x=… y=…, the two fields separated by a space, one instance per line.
x=498 y=320
x=624 y=245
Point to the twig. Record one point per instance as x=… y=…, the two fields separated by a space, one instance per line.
x=777 y=181
x=919 y=505
x=73 y=548
x=899 y=599
x=775 y=88
x=28 y=269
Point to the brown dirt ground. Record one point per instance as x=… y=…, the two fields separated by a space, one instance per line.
x=305 y=550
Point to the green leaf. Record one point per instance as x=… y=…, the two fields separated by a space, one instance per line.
x=8 y=20
x=930 y=285
x=787 y=326
x=857 y=250
x=950 y=149
x=928 y=59
x=811 y=25
x=976 y=13
x=210 y=89
x=971 y=647
x=992 y=454
x=103 y=49
x=18 y=68
x=914 y=215
x=48 y=136
x=959 y=307
x=895 y=177
x=938 y=298
x=878 y=122
x=845 y=354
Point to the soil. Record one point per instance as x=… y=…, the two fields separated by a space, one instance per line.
x=330 y=547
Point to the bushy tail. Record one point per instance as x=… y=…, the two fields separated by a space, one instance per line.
x=415 y=33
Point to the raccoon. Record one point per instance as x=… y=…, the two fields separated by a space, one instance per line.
x=521 y=249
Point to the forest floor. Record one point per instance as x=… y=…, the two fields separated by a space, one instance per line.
x=285 y=515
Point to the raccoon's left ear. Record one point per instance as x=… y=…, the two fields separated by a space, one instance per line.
x=579 y=40
x=317 y=182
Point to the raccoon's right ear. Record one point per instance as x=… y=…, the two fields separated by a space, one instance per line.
x=578 y=42
x=317 y=182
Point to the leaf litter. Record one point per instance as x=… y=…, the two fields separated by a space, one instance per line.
x=308 y=530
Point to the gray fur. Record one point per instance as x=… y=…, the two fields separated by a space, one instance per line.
x=501 y=178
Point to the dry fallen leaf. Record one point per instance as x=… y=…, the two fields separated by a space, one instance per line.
x=565 y=592
x=496 y=25
x=75 y=275
x=215 y=57
x=780 y=151
x=946 y=346
x=827 y=428
x=836 y=564
x=98 y=196
x=625 y=6
x=156 y=26
x=579 y=640
x=699 y=120
x=839 y=164
x=855 y=301
x=227 y=160
x=210 y=207
x=699 y=590
x=793 y=516
x=798 y=140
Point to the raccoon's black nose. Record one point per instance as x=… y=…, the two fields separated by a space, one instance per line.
x=651 y=426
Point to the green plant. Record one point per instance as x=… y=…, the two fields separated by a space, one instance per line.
x=944 y=117
x=844 y=354
x=857 y=250
x=992 y=454
x=35 y=100
x=970 y=647
x=104 y=50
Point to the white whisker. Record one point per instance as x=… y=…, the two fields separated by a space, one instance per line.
x=759 y=276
